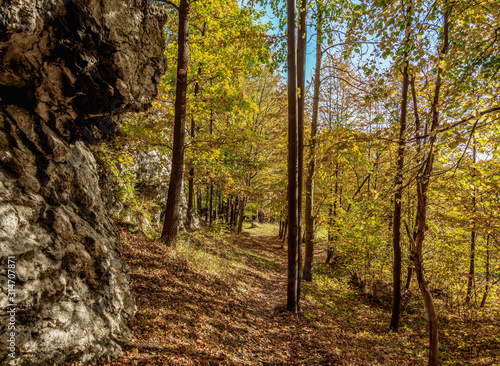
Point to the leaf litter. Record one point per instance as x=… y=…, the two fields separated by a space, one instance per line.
x=219 y=299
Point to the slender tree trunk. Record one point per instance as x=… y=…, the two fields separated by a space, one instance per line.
x=423 y=181
x=231 y=214
x=309 y=217
x=221 y=207
x=191 y=170
x=419 y=149
x=333 y=208
x=211 y=193
x=171 y=224
x=233 y=207
x=472 y=255
x=330 y=231
x=241 y=215
x=199 y=201
x=285 y=231
x=228 y=208
x=293 y=193
x=487 y=286
x=234 y=212
x=301 y=85
x=215 y=203
x=190 y=209
x=424 y=289
x=398 y=196
x=219 y=203
x=211 y=205
x=207 y=194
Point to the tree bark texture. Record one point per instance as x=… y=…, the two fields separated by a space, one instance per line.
x=301 y=86
x=293 y=214
x=398 y=196
x=419 y=149
x=487 y=274
x=423 y=181
x=171 y=224
x=190 y=208
x=309 y=213
x=285 y=231
x=241 y=215
x=472 y=254
x=199 y=201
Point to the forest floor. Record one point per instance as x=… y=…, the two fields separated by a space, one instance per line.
x=219 y=299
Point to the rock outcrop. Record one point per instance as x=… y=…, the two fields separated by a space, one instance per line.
x=139 y=176
x=384 y=293
x=67 y=70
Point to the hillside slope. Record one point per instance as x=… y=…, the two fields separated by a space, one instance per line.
x=219 y=299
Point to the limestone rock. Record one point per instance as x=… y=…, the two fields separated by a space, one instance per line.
x=384 y=293
x=148 y=170
x=67 y=70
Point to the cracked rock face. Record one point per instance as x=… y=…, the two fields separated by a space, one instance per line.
x=67 y=70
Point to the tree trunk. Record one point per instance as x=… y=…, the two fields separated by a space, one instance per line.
x=191 y=184
x=293 y=135
x=423 y=181
x=487 y=286
x=207 y=194
x=221 y=207
x=472 y=254
x=211 y=193
x=332 y=231
x=408 y=276
x=171 y=224
x=398 y=196
x=418 y=140
x=231 y=214
x=191 y=181
x=191 y=170
x=199 y=200
x=217 y=203
x=211 y=205
x=301 y=85
x=424 y=289
x=234 y=212
x=236 y=206
x=309 y=217
x=241 y=215
x=285 y=232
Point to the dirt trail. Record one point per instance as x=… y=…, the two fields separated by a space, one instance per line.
x=267 y=294
x=220 y=300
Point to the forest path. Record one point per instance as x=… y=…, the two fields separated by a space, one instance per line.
x=269 y=292
x=220 y=299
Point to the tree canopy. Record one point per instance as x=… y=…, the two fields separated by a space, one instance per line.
x=401 y=147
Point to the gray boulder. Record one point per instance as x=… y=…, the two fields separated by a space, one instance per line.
x=67 y=70
x=384 y=293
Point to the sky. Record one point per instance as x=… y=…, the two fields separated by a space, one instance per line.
x=311 y=44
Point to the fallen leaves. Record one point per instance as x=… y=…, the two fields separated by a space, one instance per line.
x=220 y=301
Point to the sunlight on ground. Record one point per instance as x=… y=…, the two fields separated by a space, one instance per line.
x=219 y=299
